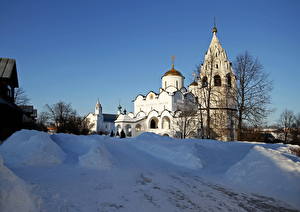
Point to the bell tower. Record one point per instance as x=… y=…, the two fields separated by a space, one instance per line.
x=98 y=108
x=98 y=117
x=216 y=88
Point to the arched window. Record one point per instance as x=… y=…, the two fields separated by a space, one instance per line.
x=128 y=130
x=138 y=128
x=166 y=123
x=228 y=78
x=118 y=128
x=154 y=123
x=217 y=80
x=217 y=66
x=176 y=84
x=204 y=82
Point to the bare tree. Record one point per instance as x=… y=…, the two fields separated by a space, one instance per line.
x=60 y=114
x=286 y=121
x=85 y=125
x=42 y=121
x=20 y=97
x=65 y=119
x=296 y=130
x=253 y=91
x=186 y=120
x=209 y=94
x=297 y=120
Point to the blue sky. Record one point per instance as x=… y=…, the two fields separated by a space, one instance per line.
x=78 y=51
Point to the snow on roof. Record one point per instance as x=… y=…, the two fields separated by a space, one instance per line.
x=8 y=71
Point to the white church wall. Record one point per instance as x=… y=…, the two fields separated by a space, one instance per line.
x=157 y=102
x=171 y=89
x=92 y=120
x=174 y=81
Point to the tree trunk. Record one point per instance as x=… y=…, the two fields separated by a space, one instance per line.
x=208 y=124
x=240 y=120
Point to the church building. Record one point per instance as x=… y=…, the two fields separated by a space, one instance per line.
x=101 y=123
x=212 y=94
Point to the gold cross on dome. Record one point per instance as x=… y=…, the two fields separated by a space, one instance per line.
x=214 y=21
x=173 y=61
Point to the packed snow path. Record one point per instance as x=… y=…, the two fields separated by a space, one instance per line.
x=149 y=173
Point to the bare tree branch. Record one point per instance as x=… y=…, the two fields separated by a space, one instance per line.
x=20 y=97
x=253 y=91
x=287 y=120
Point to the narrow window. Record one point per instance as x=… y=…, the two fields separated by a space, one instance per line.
x=177 y=84
x=228 y=77
x=204 y=82
x=165 y=84
x=217 y=80
x=217 y=66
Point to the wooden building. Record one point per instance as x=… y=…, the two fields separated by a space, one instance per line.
x=10 y=114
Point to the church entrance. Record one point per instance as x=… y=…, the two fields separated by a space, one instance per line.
x=154 y=123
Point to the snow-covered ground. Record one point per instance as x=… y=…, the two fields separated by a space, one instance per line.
x=64 y=173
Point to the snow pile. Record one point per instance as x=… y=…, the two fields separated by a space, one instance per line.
x=97 y=158
x=169 y=150
x=75 y=144
x=14 y=193
x=269 y=172
x=145 y=173
x=32 y=148
x=87 y=151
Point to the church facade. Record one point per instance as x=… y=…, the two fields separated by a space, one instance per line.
x=206 y=108
x=101 y=123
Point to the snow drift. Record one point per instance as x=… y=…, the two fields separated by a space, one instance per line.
x=269 y=172
x=145 y=173
x=14 y=193
x=28 y=147
x=97 y=158
x=169 y=150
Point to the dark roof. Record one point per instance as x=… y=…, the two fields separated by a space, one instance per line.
x=109 y=117
x=8 y=71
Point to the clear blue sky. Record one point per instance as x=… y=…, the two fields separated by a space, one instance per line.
x=78 y=51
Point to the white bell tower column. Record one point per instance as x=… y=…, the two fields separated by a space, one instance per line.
x=98 y=117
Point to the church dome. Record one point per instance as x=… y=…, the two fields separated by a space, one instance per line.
x=172 y=72
x=214 y=30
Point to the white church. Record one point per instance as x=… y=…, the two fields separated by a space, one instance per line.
x=158 y=112
x=101 y=123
